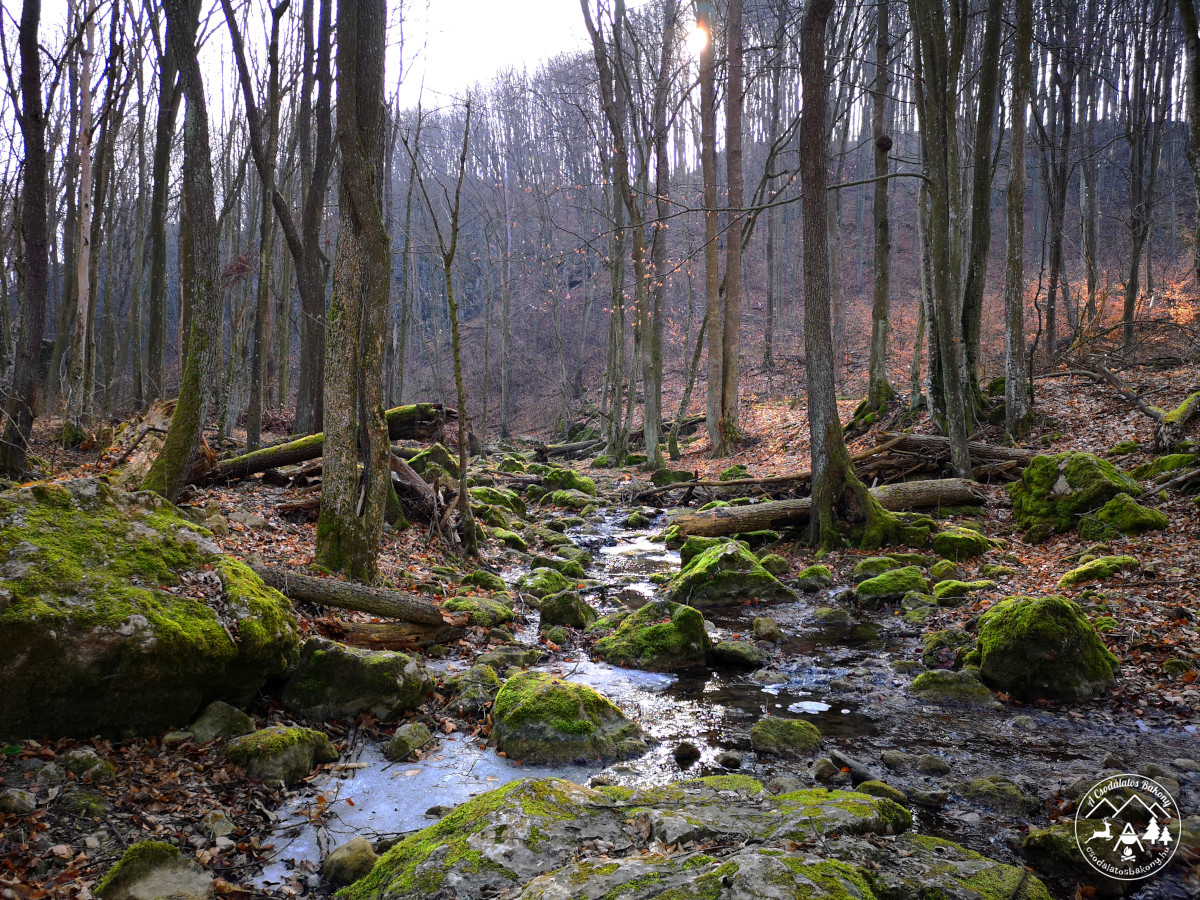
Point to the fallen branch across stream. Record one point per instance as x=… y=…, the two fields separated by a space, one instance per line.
x=359 y=597
x=894 y=497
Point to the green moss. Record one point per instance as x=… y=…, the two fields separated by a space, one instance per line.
x=954 y=688
x=950 y=591
x=637 y=520
x=734 y=472
x=510 y=500
x=492 y=516
x=661 y=636
x=135 y=862
x=269 y=741
x=820 y=809
x=570 y=568
x=874 y=565
x=1171 y=462
x=881 y=789
x=890 y=587
x=957 y=543
x=999 y=793
x=603 y=461
x=485 y=580
x=1121 y=515
x=944 y=570
x=483 y=611
x=437 y=455
x=1102 y=567
x=1124 y=448
x=726 y=573
x=543 y=582
x=695 y=545
x=775 y=564
x=663 y=477
x=814 y=578
x=1054 y=491
x=510 y=539
x=266 y=623
x=714 y=504
x=568 y=480
x=945 y=648
x=784 y=737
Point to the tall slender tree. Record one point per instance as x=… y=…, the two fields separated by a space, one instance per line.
x=1016 y=384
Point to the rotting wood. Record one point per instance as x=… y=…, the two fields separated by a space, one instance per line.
x=392 y=635
x=347 y=595
x=893 y=497
x=417 y=497
x=543 y=452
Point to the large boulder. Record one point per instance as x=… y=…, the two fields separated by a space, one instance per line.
x=890 y=587
x=661 y=636
x=152 y=869
x=567 y=608
x=282 y=754
x=725 y=574
x=1038 y=648
x=334 y=681
x=119 y=617
x=1054 y=491
x=540 y=718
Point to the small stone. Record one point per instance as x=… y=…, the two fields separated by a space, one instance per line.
x=767 y=629
x=896 y=759
x=175 y=738
x=349 y=862
x=217 y=823
x=931 y=765
x=784 y=737
x=730 y=759
x=785 y=784
x=933 y=797
x=16 y=802
x=220 y=720
x=223 y=844
x=1112 y=761
x=407 y=739
x=769 y=676
x=1186 y=765
x=686 y=753
x=1023 y=723
x=824 y=769
x=50 y=775
x=218 y=525
x=251 y=520
x=882 y=789
x=438 y=812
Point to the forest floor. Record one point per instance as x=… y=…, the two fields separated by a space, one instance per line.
x=168 y=791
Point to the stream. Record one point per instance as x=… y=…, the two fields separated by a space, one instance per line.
x=843 y=680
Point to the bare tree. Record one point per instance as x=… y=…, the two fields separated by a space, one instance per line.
x=1016 y=384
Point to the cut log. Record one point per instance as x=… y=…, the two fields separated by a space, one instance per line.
x=418 y=421
x=346 y=595
x=894 y=497
x=391 y=635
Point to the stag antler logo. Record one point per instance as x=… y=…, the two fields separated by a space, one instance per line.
x=1127 y=826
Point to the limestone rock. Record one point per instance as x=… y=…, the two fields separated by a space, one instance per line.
x=477 y=689
x=963 y=688
x=890 y=587
x=281 y=754
x=407 y=738
x=149 y=870
x=334 y=681
x=1054 y=491
x=349 y=862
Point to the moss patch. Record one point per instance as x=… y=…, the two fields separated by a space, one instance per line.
x=1054 y=491
x=1101 y=567
x=661 y=636
x=890 y=587
x=1121 y=515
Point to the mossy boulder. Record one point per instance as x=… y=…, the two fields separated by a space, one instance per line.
x=571 y=568
x=725 y=574
x=542 y=582
x=890 y=587
x=663 y=477
x=571 y=499
x=999 y=793
x=882 y=789
x=406 y=739
x=955 y=593
x=510 y=539
x=831 y=617
x=662 y=636
x=281 y=754
x=569 y=609
x=438 y=456
x=1171 y=462
x=1043 y=648
x=775 y=564
x=220 y=720
x=756 y=540
x=485 y=580
x=540 y=718
x=944 y=570
x=476 y=689
x=1099 y=568
x=334 y=681
x=735 y=472
x=1054 y=491
x=512 y=465
x=944 y=687
x=150 y=869
x=946 y=647
x=636 y=520
x=956 y=543
x=1054 y=852
x=100 y=639
x=872 y=566
x=485 y=611
x=568 y=480
x=510 y=500
x=1121 y=515
x=349 y=862
x=492 y=516
x=767 y=629
x=814 y=578
x=697 y=544
x=784 y=737
x=1124 y=448
x=739 y=654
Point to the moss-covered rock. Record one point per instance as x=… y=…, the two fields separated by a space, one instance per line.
x=725 y=574
x=1043 y=648
x=882 y=789
x=1054 y=852
x=510 y=500
x=95 y=639
x=541 y=718
x=944 y=687
x=571 y=499
x=661 y=636
x=957 y=543
x=947 y=647
x=558 y=479
x=438 y=456
x=767 y=629
x=890 y=587
x=349 y=862
x=512 y=465
x=1097 y=569
x=831 y=617
x=154 y=869
x=814 y=578
x=775 y=564
x=1121 y=515
x=756 y=540
x=872 y=566
x=1054 y=491
x=999 y=793
x=485 y=611
x=735 y=472
x=507 y=656
x=485 y=580
x=334 y=681
x=944 y=570
x=492 y=516
x=476 y=689
x=1171 y=462
x=569 y=609
x=406 y=739
x=510 y=539
x=784 y=737
x=1124 y=448
x=663 y=477
x=955 y=593
x=220 y=720
x=570 y=568
x=281 y=754
x=740 y=654
x=636 y=520
x=542 y=582
x=696 y=544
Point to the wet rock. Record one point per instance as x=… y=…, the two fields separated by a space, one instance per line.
x=931 y=765
x=661 y=636
x=406 y=739
x=814 y=578
x=785 y=784
x=957 y=543
x=730 y=759
x=999 y=793
x=540 y=718
x=1096 y=569
x=890 y=587
x=767 y=629
x=16 y=802
x=738 y=653
x=1035 y=648
x=334 y=681
x=823 y=769
x=831 y=617
x=281 y=754
x=349 y=862
x=784 y=737
x=1055 y=491
x=769 y=676
x=725 y=574
x=945 y=648
x=1053 y=852
x=152 y=869
x=873 y=566
x=96 y=643
x=934 y=797
x=955 y=593
x=775 y=564
x=220 y=720
x=685 y=753
x=994 y=570
x=948 y=688
x=502 y=658
x=569 y=568
x=882 y=789
x=569 y=609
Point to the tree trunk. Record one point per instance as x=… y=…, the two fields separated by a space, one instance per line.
x=1191 y=33
x=344 y=595
x=1016 y=384
x=352 y=502
x=170 y=93
x=732 y=334
x=19 y=405
x=879 y=389
x=712 y=265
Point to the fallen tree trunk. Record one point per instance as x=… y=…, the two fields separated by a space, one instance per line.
x=347 y=595
x=543 y=453
x=144 y=446
x=932 y=445
x=416 y=422
x=893 y=497
x=391 y=636
x=687 y=425
x=417 y=497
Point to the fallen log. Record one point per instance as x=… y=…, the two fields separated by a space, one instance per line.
x=418 y=421
x=893 y=497
x=543 y=453
x=687 y=425
x=389 y=635
x=417 y=497
x=1169 y=425
x=935 y=446
x=347 y=595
